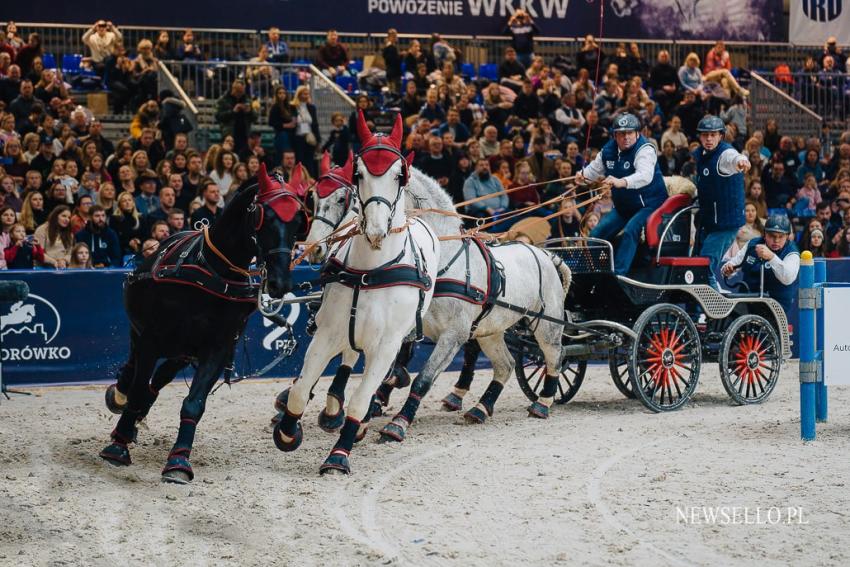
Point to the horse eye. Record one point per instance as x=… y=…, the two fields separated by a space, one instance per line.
x=341 y=201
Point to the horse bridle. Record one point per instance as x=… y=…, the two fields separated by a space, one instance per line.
x=402 y=181
x=350 y=203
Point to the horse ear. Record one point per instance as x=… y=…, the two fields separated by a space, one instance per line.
x=296 y=180
x=363 y=131
x=325 y=166
x=348 y=168
x=263 y=179
x=409 y=159
x=398 y=131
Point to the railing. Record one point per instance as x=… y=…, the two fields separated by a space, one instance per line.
x=239 y=44
x=769 y=101
x=826 y=94
x=210 y=80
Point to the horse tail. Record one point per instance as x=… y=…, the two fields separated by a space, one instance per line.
x=564 y=271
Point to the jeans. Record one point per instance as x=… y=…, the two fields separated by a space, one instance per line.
x=714 y=246
x=611 y=224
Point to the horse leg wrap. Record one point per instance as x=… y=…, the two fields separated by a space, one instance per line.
x=340 y=380
x=288 y=424
x=126 y=427
x=186 y=433
x=488 y=400
x=471 y=350
x=417 y=392
x=540 y=408
x=384 y=391
x=338 y=459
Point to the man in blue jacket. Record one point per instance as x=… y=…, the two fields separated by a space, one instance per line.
x=720 y=172
x=780 y=258
x=101 y=240
x=629 y=165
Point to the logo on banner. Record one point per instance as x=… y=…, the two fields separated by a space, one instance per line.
x=274 y=339
x=822 y=10
x=36 y=323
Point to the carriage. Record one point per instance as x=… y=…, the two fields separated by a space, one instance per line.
x=657 y=326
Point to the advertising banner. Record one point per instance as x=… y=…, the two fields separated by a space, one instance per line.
x=745 y=20
x=813 y=21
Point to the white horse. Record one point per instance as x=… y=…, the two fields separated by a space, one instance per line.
x=532 y=283
x=378 y=287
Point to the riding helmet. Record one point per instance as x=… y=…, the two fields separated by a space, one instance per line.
x=711 y=123
x=626 y=123
x=778 y=223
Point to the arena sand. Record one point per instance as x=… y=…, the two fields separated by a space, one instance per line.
x=603 y=482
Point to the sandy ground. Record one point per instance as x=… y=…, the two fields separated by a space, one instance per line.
x=603 y=482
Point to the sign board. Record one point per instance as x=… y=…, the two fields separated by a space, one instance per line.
x=813 y=21
x=836 y=336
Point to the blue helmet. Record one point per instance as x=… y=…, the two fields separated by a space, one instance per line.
x=626 y=123
x=778 y=223
x=711 y=123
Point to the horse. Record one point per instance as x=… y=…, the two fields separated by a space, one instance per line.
x=460 y=308
x=189 y=303
x=377 y=287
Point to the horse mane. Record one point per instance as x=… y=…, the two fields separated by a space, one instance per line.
x=423 y=192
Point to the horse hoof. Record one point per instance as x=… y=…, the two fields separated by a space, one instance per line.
x=116 y=454
x=452 y=402
x=392 y=432
x=538 y=410
x=276 y=419
x=336 y=463
x=290 y=445
x=331 y=424
x=281 y=400
x=115 y=400
x=475 y=416
x=177 y=470
x=375 y=409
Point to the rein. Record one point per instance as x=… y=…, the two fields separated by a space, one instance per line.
x=230 y=265
x=509 y=191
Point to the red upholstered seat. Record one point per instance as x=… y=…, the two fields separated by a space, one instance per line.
x=653 y=224
x=694 y=261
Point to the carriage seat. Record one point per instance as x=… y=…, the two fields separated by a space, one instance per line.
x=678 y=237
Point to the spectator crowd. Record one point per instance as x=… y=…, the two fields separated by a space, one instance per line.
x=71 y=198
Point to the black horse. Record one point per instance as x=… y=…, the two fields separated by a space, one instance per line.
x=189 y=303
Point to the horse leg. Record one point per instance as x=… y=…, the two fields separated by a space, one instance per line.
x=397 y=378
x=503 y=367
x=162 y=376
x=377 y=363
x=116 y=394
x=445 y=349
x=288 y=433
x=124 y=433
x=454 y=399
x=548 y=337
x=332 y=417
x=177 y=468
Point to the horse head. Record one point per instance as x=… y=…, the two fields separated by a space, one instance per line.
x=280 y=215
x=380 y=175
x=334 y=198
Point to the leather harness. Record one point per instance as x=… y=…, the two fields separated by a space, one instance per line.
x=181 y=260
x=389 y=274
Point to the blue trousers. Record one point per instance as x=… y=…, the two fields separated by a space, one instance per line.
x=714 y=246
x=614 y=222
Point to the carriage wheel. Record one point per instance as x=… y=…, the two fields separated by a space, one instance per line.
x=665 y=359
x=618 y=364
x=750 y=359
x=531 y=371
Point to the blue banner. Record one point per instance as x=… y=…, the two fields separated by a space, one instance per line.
x=72 y=328
x=744 y=20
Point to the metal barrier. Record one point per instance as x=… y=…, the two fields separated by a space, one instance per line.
x=769 y=101
x=210 y=80
x=827 y=94
x=240 y=44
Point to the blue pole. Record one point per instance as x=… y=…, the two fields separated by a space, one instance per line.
x=808 y=364
x=821 y=406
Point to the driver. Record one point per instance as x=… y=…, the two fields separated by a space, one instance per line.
x=629 y=165
x=780 y=258
x=720 y=186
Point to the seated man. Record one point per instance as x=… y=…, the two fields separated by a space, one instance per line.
x=481 y=184
x=780 y=258
x=629 y=165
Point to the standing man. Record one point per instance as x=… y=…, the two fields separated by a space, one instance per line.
x=780 y=258
x=629 y=164
x=720 y=172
